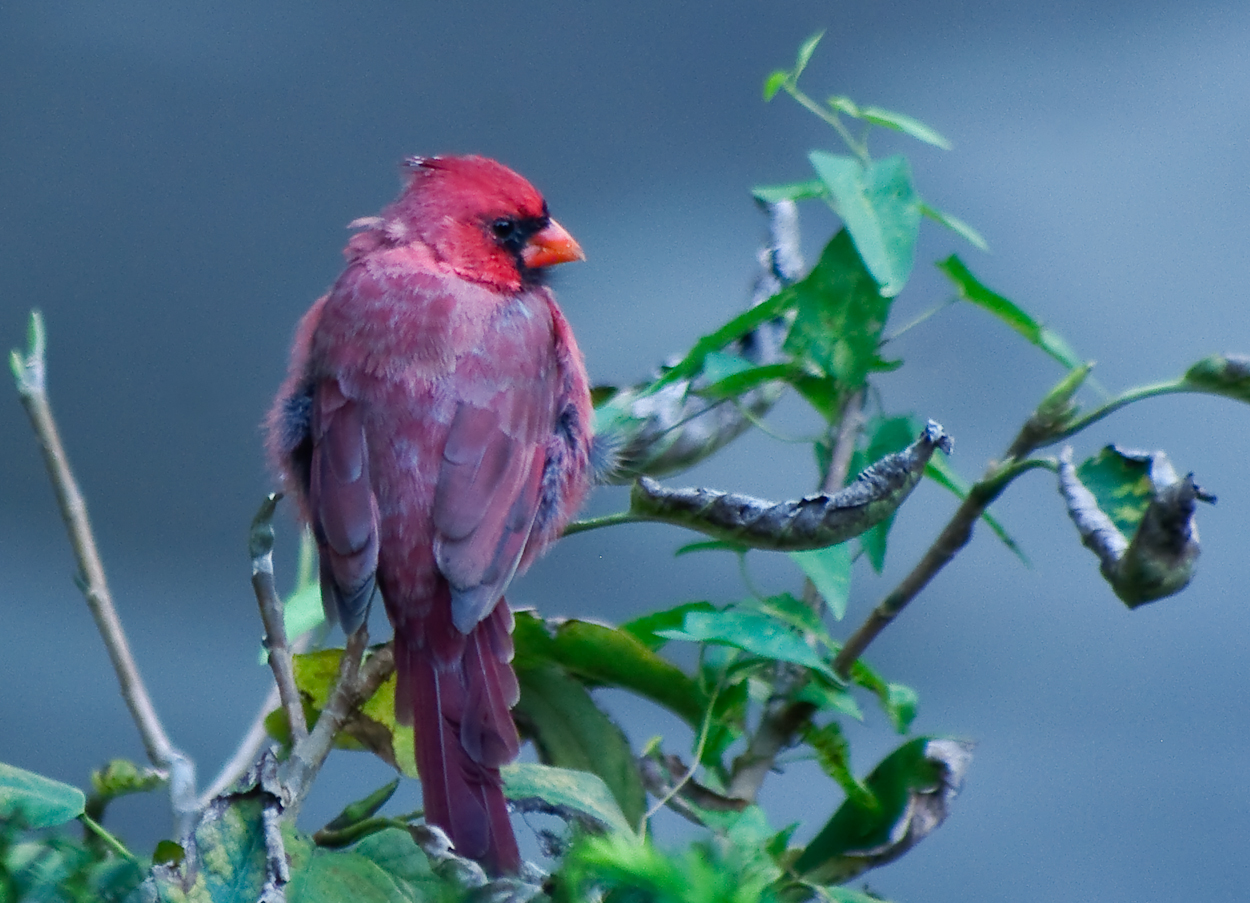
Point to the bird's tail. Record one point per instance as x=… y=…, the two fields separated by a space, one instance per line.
x=459 y=691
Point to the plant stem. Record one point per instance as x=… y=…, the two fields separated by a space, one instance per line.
x=954 y=536
x=30 y=372
x=260 y=545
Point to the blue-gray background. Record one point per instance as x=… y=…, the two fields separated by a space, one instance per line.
x=174 y=179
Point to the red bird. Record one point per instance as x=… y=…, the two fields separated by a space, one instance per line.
x=435 y=426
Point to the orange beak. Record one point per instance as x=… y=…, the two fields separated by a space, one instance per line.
x=551 y=246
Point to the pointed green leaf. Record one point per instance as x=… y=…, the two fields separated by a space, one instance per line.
x=956 y=225
x=599 y=655
x=745 y=380
x=899 y=702
x=570 y=731
x=829 y=569
x=901 y=122
x=790 y=191
x=364 y=808
x=576 y=792
x=774 y=83
x=33 y=801
x=757 y=634
x=970 y=289
x=845 y=105
x=644 y=628
x=806 y=50
x=879 y=206
x=386 y=867
x=692 y=363
x=837 y=328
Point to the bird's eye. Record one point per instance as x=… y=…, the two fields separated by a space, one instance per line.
x=504 y=228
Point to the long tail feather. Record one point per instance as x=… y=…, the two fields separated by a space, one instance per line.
x=460 y=702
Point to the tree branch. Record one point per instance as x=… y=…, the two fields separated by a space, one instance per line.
x=260 y=546
x=813 y=522
x=954 y=536
x=356 y=682
x=30 y=373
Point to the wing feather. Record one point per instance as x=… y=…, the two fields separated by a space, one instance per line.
x=342 y=506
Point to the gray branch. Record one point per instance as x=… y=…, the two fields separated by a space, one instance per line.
x=30 y=374
x=813 y=522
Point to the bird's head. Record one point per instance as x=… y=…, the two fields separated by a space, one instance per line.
x=481 y=220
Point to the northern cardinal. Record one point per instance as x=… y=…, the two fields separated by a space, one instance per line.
x=435 y=426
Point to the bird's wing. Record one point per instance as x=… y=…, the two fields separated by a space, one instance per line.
x=490 y=484
x=342 y=506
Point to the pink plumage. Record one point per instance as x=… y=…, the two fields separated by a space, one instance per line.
x=435 y=426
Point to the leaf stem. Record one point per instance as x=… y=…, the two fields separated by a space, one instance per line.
x=859 y=149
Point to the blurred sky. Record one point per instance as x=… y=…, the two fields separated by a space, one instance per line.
x=174 y=182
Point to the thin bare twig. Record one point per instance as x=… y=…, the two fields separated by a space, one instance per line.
x=260 y=546
x=356 y=682
x=30 y=373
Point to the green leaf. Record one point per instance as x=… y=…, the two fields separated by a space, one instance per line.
x=901 y=122
x=829 y=569
x=1121 y=484
x=362 y=809
x=719 y=364
x=644 y=628
x=833 y=754
x=386 y=867
x=34 y=801
x=828 y=696
x=599 y=655
x=901 y=703
x=970 y=289
x=712 y=545
x=735 y=384
x=956 y=225
x=879 y=206
x=755 y=633
x=806 y=50
x=230 y=840
x=790 y=191
x=570 y=731
x=794 y=612
x=397 y=854
x=774 y=83
x=911 y=787
x=885 y=435
x=1221 y=374
x=121 y=777
x=372 y=728
x=838 y=324
x=690 y=366
x=576 y=792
